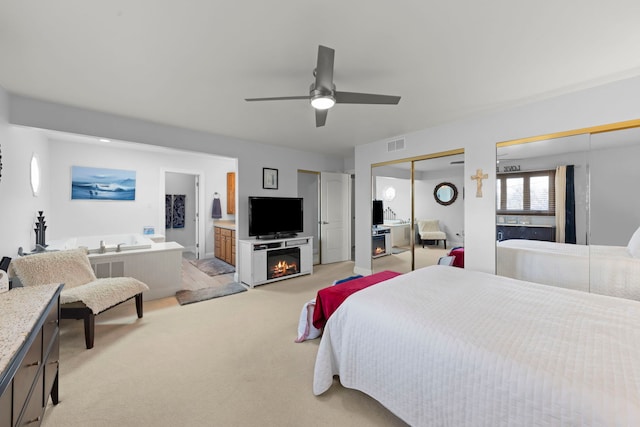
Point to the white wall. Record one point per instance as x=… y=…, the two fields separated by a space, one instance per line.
x=401 y=204
x=90 y=217
x=451 y=217
x=19 y=206
x=610 y=103
x=615 y=205
x=251 y=156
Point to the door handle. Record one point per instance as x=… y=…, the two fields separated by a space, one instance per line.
x=323 y=222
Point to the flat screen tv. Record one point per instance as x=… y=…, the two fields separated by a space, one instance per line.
x=378 y=213
x=275 y=217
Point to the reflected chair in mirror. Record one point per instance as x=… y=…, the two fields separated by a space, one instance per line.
x=429 y=229
x=83 y=296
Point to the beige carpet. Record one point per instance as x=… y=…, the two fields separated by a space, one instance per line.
x=224 y=362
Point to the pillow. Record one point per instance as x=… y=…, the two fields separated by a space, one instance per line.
x=337 y=282
x=634 y=244
x=306 y=330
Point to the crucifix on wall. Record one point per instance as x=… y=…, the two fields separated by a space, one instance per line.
x=478 y=177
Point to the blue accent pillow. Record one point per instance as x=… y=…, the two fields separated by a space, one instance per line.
x=337 y=282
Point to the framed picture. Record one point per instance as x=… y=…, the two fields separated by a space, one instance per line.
x=102 y=184
x=270 y=178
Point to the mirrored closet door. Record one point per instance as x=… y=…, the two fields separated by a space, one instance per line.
x=566 y=210
x=417 y=211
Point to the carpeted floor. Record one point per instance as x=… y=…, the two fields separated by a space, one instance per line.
x=185 y=297
x=213 y=266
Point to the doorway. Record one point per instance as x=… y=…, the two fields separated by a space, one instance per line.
x=182 y=211
x=328 y=199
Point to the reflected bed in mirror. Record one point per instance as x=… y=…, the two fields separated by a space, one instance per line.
x=595 y=253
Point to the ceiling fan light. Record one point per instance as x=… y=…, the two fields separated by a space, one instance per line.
x=323 y=102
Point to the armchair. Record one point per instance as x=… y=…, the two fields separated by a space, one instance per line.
x=429 y=229
x=83 y=296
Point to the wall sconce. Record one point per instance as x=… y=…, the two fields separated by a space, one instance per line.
x=35 y=175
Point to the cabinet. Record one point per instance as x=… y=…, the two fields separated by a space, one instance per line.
x=231 y=193
x=29 y=375
x=528 y=232
x=225 y=244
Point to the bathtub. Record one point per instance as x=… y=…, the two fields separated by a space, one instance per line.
x=159 y=265
x=103 y=243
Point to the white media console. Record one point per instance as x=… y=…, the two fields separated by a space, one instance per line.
x=266 y=261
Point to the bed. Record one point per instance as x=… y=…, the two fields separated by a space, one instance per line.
x=606 y=270
x=447 y=346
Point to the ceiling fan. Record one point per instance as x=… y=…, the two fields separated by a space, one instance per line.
x=323 y=94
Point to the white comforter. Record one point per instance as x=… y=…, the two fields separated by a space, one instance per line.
x=442 y=346
x=606 y=270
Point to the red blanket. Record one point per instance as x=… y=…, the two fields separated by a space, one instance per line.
x=329 y=299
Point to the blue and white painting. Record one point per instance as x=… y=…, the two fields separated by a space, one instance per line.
x=102 y=184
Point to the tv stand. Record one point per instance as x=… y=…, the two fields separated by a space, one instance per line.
x=277 y=236
x=257 y=257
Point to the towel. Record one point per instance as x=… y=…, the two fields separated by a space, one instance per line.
x=216 y=212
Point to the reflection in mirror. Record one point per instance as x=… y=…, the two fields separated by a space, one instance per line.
x=445 y=193
x=615 y=213
x=541 y=212
x=403 y=213
x=439 y=226
x=597 y=201
x=391 y=188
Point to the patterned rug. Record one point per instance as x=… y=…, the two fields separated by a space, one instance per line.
x=189 y=297
x=213 y=266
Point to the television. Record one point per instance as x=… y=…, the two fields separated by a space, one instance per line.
x=275 y=217
x=378 y=213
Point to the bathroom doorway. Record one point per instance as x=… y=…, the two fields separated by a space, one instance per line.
x=182 y=211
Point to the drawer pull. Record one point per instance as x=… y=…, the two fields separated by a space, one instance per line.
x=35 y=420
x=52 y=322
x=36 y=363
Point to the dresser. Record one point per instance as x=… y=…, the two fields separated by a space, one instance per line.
x=225 y=242
x=29 y=353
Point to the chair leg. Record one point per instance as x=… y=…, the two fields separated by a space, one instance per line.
x=139 y=305
x=89 y=328
x=445 y=243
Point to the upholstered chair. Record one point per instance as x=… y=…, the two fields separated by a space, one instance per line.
x=429 y=229
x=83 y=296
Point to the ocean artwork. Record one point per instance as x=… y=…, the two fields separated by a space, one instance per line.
x=102 y=184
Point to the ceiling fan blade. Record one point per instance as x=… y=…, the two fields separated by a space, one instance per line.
x=321 y=117
x=324 y=68
x=364 y=98
x=280 y=98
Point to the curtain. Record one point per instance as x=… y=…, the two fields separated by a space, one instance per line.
x=174 y=210
x=570 y=208
x=565 y=205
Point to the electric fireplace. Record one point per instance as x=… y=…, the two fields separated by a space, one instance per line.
x=283 y=262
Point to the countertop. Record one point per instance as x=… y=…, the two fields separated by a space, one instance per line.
x=231 y=225
x=526 y=225
x=20 y=309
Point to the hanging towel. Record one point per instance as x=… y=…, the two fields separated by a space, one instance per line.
x=216 y=212
x=178 y=211
x=168 y=206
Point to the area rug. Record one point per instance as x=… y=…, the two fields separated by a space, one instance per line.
x=188 y=297
x=396 y=251
x=213 y=266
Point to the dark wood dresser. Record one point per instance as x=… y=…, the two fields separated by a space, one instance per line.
x=29 y=353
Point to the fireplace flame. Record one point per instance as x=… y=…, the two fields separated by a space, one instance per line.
x=378 y=251
x=283 y=268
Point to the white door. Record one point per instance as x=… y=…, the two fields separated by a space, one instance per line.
x=196 y=218
x=335 y=217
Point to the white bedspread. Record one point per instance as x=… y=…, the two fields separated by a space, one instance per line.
x=606 y=270
x=442 y=346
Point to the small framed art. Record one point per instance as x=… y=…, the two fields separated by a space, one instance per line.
x=270 y=178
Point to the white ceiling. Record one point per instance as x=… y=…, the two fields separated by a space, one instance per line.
x=192 y=63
